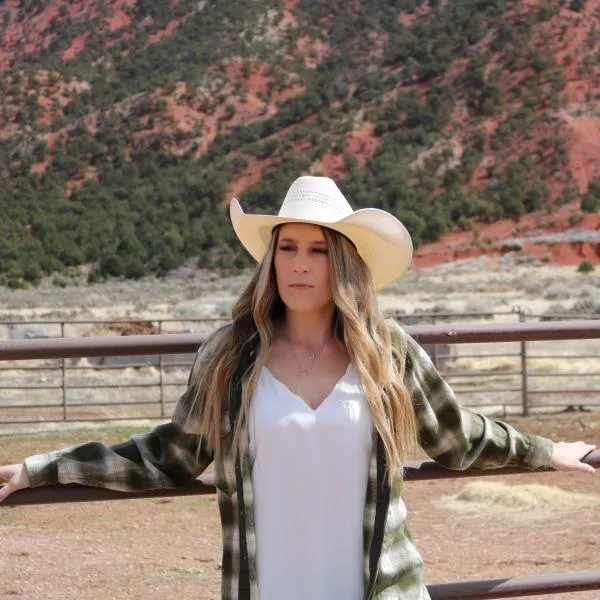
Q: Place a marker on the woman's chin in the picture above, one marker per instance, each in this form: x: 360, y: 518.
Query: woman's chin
x: 303, y: 306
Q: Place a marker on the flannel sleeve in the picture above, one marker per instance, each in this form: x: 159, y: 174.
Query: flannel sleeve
x: 165, y: 457
x: 459, y: 438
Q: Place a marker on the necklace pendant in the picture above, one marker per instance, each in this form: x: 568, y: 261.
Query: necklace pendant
x: 312, y: 355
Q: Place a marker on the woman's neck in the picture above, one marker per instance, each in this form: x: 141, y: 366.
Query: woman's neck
x: 309, y: 329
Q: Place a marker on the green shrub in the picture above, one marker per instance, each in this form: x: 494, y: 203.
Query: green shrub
x: 577, y: 5
x: 585, y: 266
x: 32, y: 273
x: 591, y: 201
x: 95, y: 276
x: 112, y: 266
x: 59, y: 281
x: 135, y: 269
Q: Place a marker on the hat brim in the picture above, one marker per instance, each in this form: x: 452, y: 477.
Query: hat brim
x: 380, y: 238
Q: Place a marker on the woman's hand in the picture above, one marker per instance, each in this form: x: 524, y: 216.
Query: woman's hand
x: 566, y: 456
x: 12, y: 478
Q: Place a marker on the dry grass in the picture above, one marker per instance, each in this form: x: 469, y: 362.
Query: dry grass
x: 531, y: 500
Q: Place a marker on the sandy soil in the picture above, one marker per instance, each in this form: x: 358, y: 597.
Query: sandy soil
x: 146, y: 549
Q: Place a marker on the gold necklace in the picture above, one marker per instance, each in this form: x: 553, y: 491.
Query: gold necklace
x: 311, y: 355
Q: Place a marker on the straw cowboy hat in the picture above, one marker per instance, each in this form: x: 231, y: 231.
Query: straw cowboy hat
x: 380, y: 238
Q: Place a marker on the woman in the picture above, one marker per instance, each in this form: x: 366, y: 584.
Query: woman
x: 308, y: 404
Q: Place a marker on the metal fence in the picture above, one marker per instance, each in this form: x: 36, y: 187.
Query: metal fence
x: 456, y: 334
x: 527, y: 376
x: 90, y: 388
x: 500, y: 377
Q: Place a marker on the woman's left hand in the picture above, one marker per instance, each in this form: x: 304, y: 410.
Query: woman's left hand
x: 566, y: 456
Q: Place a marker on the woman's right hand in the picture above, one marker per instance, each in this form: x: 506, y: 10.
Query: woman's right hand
x: 12, y: 478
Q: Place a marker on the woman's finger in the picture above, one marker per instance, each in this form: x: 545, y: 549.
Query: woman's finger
x: 577, y: 465
x: 587, y: 468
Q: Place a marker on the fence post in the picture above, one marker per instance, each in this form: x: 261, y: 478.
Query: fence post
x: 161, y: 377
x: 434, y: 349
x: 63, y: 377
x: 525, y: 396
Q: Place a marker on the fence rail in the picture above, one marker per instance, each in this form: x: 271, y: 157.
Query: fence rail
x: 516, y: 586
x: 185, y: 343
x: 424, y: 470
x: 473, y: 590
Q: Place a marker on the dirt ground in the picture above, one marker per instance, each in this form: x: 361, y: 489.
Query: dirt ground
x: 149, y: 549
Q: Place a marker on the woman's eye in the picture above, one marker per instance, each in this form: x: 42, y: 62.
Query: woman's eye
x: 292, y: 248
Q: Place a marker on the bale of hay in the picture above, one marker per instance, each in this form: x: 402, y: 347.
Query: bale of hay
x: 491, y: 495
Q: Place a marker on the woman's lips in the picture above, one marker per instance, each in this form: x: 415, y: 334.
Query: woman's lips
x: 301, y: 286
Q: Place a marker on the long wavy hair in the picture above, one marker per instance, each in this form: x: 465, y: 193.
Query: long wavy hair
x: 359, y: 324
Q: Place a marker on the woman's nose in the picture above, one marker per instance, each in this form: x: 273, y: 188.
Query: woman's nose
x: 301, y: 265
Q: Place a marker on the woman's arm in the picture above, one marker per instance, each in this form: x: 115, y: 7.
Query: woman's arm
x: 167, y: 456
x: 460, y: 438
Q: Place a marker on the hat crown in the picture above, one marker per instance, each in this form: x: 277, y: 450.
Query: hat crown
x: 315, y: 198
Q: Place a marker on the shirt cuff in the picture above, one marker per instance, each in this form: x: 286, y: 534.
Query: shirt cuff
x: 42, y: 469
x: 539, y: 453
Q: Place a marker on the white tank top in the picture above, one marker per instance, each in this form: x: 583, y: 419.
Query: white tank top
x: 309, y: 478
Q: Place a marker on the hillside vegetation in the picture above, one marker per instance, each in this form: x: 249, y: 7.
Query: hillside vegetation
x: 126, y: 126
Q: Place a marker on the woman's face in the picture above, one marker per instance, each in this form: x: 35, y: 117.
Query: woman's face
x: 302, y: 267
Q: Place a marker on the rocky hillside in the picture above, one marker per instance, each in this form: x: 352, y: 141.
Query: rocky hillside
x: 126, y: 126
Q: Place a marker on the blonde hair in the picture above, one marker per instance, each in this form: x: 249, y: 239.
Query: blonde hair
x: 360, y: 325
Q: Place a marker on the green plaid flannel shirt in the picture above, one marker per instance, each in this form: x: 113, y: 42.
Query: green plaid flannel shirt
x: 165, y: 457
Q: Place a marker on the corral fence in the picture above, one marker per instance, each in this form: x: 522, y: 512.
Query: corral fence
x: 441, y: 334
x: 500, y: 377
